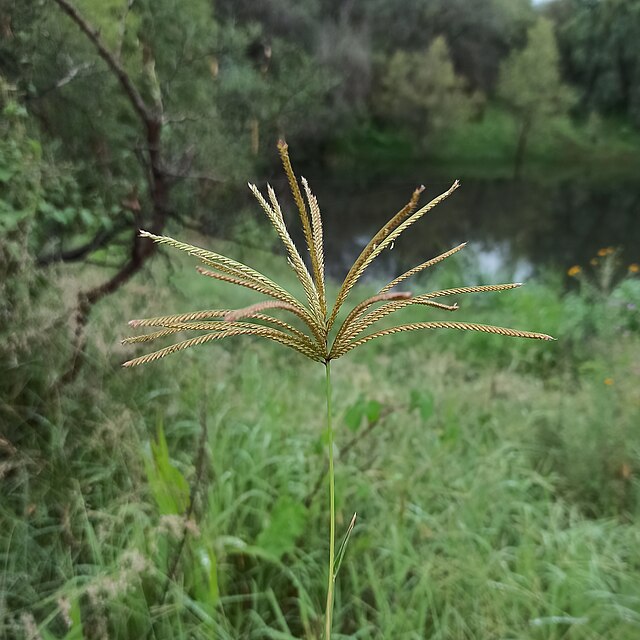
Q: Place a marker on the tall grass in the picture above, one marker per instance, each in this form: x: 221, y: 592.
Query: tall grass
x: 508, y: 511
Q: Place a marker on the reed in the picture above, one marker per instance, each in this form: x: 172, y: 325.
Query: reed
x: 312, y: 334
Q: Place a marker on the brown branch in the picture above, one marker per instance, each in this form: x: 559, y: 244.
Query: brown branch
x: 158, y: 182
x: 118, y: 70
x: 101, y: 239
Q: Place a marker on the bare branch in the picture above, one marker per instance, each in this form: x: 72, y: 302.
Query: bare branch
x: 118, y: 70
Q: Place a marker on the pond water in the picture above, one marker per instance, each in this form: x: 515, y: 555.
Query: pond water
x: 514, y: 228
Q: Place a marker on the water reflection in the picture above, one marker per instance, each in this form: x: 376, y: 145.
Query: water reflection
x: 514, y: 228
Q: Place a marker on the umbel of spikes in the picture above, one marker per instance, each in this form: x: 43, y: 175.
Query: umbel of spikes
x: 310, y: 322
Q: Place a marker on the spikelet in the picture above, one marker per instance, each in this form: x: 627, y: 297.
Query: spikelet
x: 362, y: 322
x: 462, y: 326
x: 408, y: 209
x: 422, y: 267
x: 251, y: 310
x: 374, y: 249
x: 160, y: 321
x: 365, y: 304
x: 318, y: 245
x: 295, y: 260
x: 215, y: 259
x: 148, y: 337
x: 264, y: 332
x: 291, y: 303
x: 283, y: 150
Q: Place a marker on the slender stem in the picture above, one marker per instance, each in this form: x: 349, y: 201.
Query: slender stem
x: 332, y: 498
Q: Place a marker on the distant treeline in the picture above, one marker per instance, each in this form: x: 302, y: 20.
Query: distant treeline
x: 131, y: 113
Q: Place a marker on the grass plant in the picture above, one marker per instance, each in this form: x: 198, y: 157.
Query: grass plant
x: 315, y: 338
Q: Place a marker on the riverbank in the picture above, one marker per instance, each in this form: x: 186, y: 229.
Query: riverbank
x: 557, y: 149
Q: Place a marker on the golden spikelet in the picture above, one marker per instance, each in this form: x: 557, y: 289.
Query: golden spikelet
x: 388, y: 234
x: 365, y: 304
x: 318, y: 270
x: 313, y: 340
x: 252, y: 310
x: 181, y: 317
x: 318, y: 245
x: 270, y: 334
x: 295, y: 260
x: 462, y: 326
x: 422, y: 267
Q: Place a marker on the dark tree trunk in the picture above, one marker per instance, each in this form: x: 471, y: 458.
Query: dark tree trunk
x: 521, y: 146
x: 158, y: 190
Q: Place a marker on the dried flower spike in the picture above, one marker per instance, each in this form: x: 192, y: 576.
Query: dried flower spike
x: 313, y: 338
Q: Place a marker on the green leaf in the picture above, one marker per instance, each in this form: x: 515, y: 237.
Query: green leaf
x: 423, y: 401
x: 288, y: 520
x: 355, y: 413
x: 373, y: 411
x: 362, y: 409
x: 86, y: 216
x: 206, y: 582
x: 169, y: 487
x: 342, y: 549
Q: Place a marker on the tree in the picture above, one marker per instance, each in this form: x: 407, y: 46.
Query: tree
x: 599, y: 45
x: 153, y: 106
x: 480, y: 33
x: 421, y: 89
x: 531, y: 86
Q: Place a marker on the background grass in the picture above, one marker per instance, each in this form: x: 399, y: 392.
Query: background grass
x: 496, y: 481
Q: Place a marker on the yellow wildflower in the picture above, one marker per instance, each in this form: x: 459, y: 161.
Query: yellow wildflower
x: 608, y: 381
x: 574, y: 271
x: 634, y: 267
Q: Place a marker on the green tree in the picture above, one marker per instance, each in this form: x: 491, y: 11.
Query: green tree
x: 480, y: 33
x: 154, y: 106
x: 599, y: 43
x: 531, y: 86
x: 422, y: 90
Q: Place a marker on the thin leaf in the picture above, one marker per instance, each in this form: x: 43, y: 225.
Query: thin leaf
x: 343, y: 547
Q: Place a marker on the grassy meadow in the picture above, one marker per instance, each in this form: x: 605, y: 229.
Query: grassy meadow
x: 495, y: 480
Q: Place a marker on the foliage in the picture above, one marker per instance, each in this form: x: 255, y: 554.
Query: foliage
x: 531, y: 85
x: 530, y: 81
x: 526, y: 487
x: 421, y: 91
x: 480, y: 33
x: 608, y: 296
x: 598, y: 41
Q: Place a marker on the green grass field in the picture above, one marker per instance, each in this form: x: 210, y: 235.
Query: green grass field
x: 495, y: 480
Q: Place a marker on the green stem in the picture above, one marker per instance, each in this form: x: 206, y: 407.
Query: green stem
x: 332, y: 498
